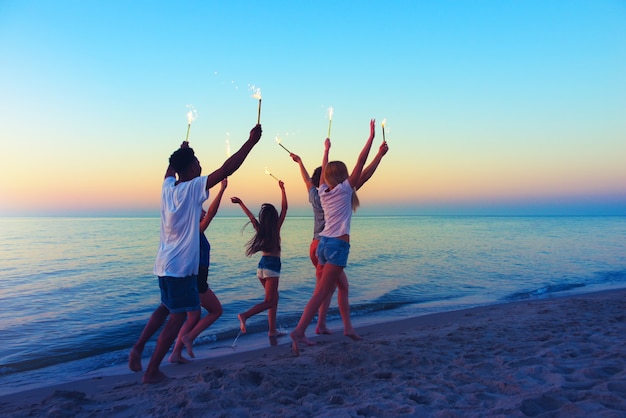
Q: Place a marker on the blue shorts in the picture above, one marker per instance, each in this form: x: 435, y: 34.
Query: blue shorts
x: 179, y: 294
x: 269, y: 266
x: 333, y: 251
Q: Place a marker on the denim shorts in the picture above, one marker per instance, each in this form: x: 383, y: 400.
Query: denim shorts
x: 179, y: 294
x: 269, y: 266
x: 333, y: 251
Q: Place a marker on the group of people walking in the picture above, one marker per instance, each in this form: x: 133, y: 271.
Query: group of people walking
x: 182, y: 260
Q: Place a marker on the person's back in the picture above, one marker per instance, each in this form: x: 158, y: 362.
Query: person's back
x: 178, y: 254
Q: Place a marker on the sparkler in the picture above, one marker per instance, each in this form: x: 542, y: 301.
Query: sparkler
x: 191, y: 116
x: 257, y: 95
x: 269, y: 173
x: 330, y: 119
x: 227, y: 145
x: 278, y: 141
x: 383, y: 125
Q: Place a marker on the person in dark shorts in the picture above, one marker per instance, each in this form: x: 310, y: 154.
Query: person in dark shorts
x: 209, y: 301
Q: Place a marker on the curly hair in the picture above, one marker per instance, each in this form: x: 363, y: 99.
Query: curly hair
x: 267, y: 237
x: 181, y: 158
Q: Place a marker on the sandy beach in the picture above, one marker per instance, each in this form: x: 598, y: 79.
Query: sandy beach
x: 552, y: 357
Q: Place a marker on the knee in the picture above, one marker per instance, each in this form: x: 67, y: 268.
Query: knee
x: 273, y: 300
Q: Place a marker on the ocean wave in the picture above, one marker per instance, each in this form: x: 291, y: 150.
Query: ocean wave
x: 544, y: 291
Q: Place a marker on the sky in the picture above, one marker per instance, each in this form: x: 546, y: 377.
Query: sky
x: 491, y: 107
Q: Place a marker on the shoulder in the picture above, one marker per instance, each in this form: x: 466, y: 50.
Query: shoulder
x: 345, y: 185
x: 169, y: 182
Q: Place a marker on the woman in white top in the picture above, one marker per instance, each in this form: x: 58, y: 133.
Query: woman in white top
x: 339, y: 200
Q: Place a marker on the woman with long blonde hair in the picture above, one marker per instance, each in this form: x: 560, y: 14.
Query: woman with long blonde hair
x: 339, y: 200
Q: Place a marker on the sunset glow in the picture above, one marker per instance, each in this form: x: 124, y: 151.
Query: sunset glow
x: 492, y: 108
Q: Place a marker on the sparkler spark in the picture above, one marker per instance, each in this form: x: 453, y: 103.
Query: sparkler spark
x: 227, y: 145
x: 191, y: 116
x: 256, y: 94
x: 270, y: 174
x: 278, y: 142
x: 383, y: 125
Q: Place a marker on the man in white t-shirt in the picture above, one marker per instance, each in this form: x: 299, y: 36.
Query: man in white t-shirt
x: 178, y: 255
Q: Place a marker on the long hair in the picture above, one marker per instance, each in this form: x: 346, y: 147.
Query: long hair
x: 267, y: 236
x: 335, y: 173
x: 315, y: 178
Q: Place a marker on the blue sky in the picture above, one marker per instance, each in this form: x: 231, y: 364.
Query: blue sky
x: 492, y: 107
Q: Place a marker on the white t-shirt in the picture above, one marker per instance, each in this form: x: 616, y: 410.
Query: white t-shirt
x: 181, y: 208
x: 337, y: 205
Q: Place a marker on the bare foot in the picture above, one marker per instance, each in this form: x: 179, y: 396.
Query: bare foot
x: 177, y: 358
x: 297, y: 340
x: 242, y: 323
x: 323, y: 330
x: 353, y: 335
x: 134, y: 360
x: 158, y: 377
x: 294, y: 344
x: 188, y: 343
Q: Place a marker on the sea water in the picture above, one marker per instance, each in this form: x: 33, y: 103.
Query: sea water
x: 75, y: 293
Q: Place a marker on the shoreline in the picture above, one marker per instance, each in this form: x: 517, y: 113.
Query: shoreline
x: 562, y: 355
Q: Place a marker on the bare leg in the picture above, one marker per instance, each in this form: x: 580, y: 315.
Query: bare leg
x: 270, y: 301
x: 211, y: 303
x: 271, y: 296
x: 177, y: 352
x: 157, y: 319
x: 323, y: 310
x: 344, y: 307
x: 166, y: 338
x: 323, y: 288
x: 321, y: 316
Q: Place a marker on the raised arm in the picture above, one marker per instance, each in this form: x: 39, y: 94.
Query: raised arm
x: 245, y: 209
x: 234, y: 162
x: 170, y: 172
x: 371, y: 168
x: 305, y: 174
x: 210, y: 214
x: 355, y: 176
x: 283, y: 207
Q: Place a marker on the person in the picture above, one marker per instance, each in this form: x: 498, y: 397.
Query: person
x: 339, y: 199
x: 188, y: 333
x: 178, y: 256
x: 312, y: 183
x: 266, y: 240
